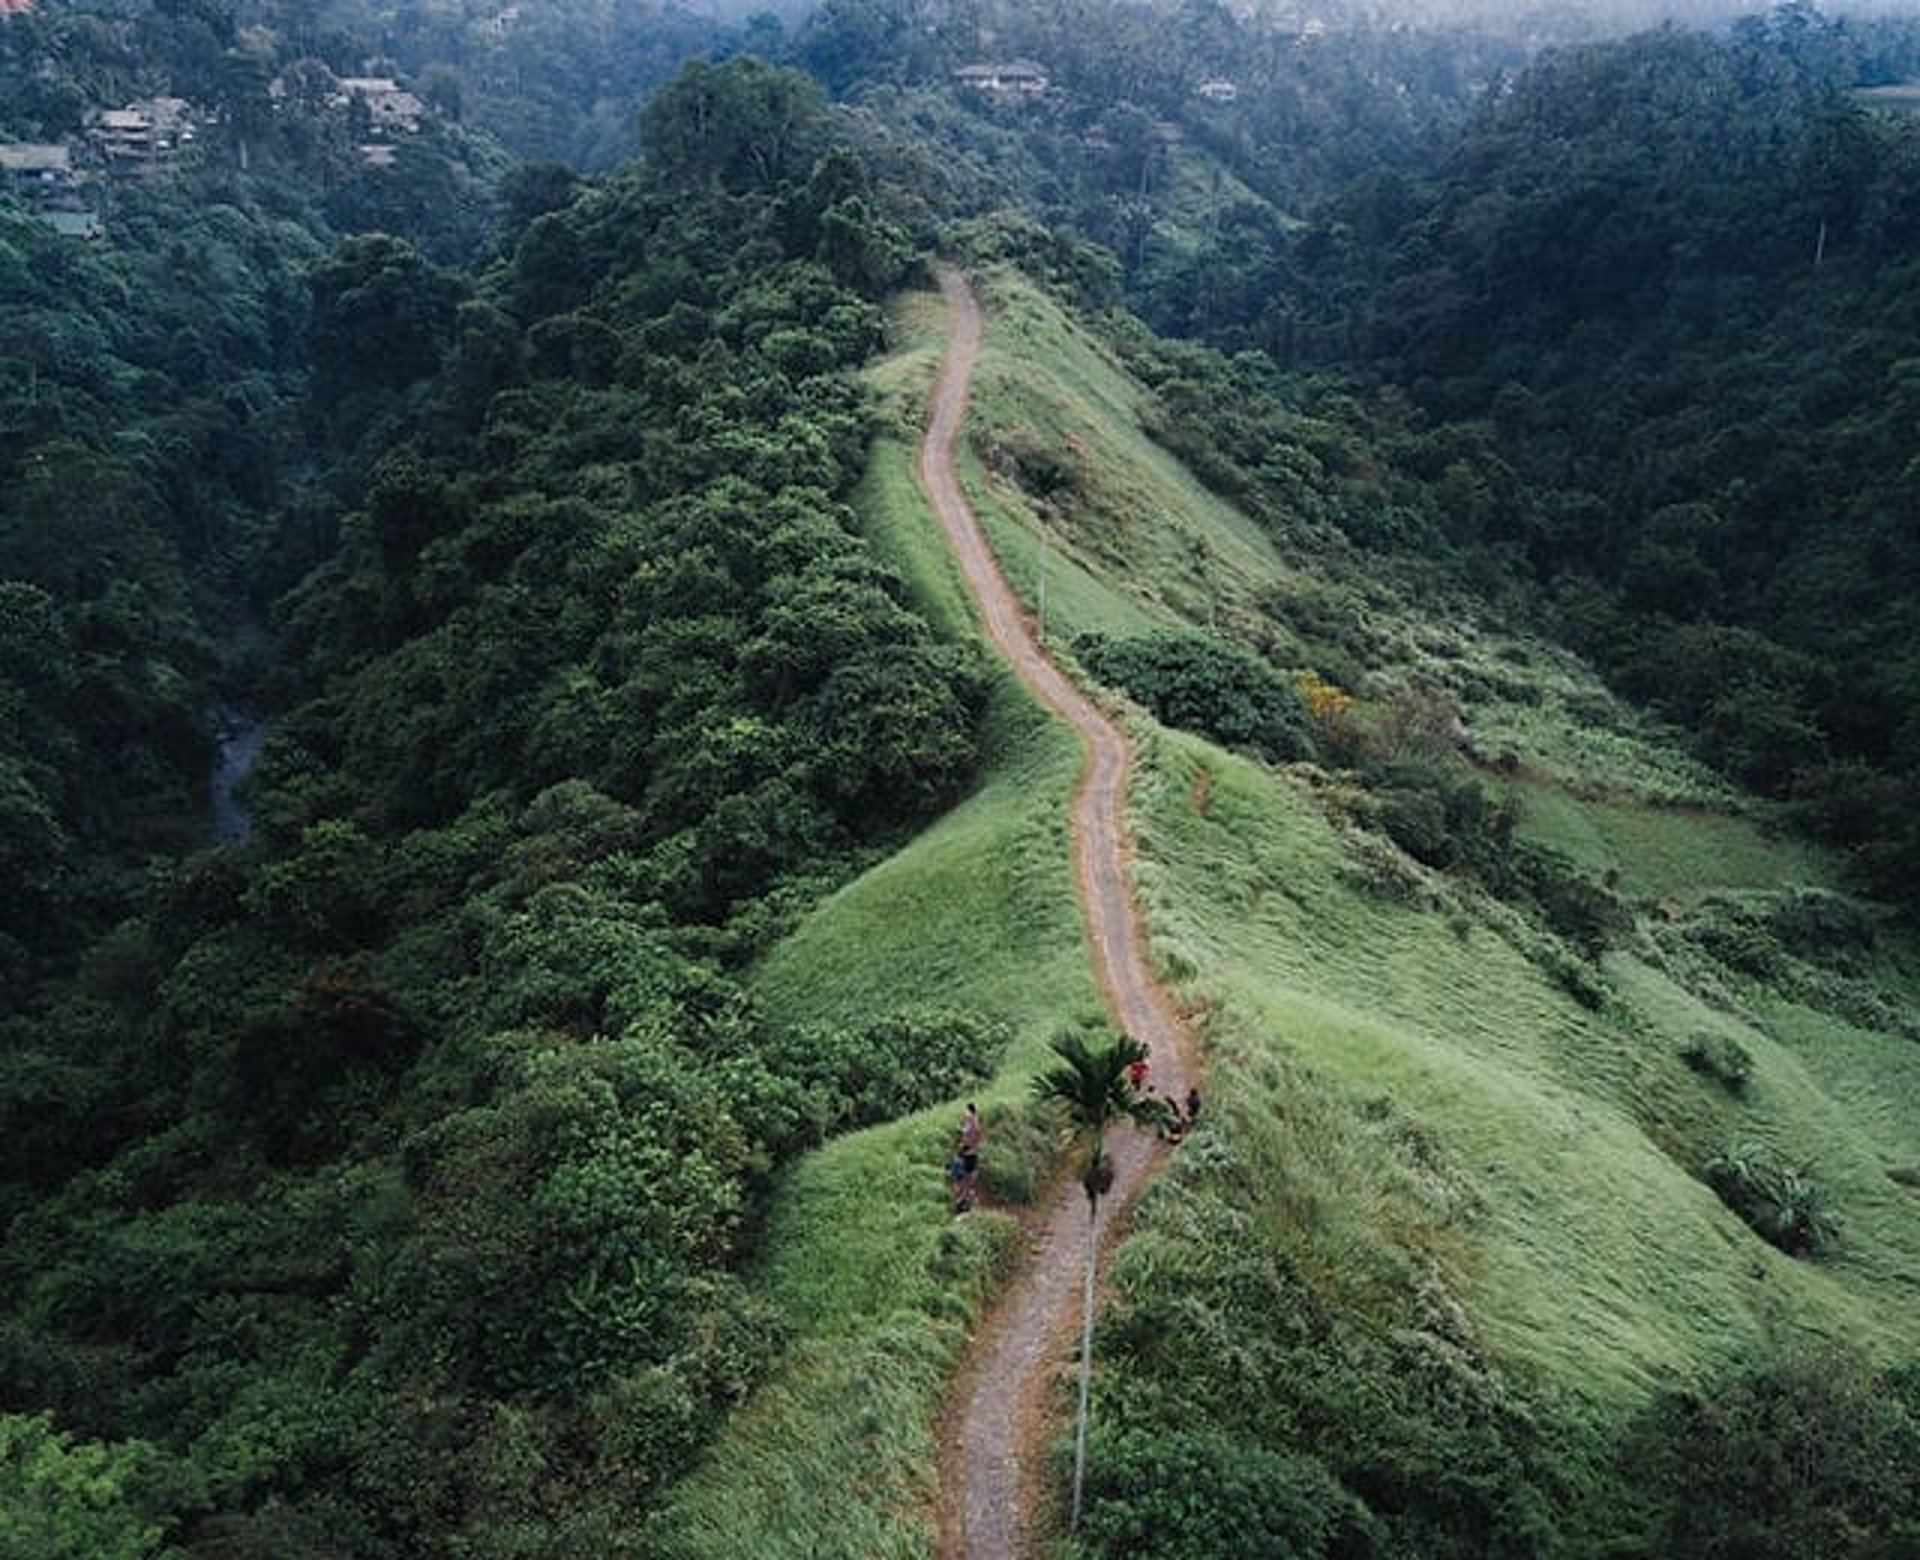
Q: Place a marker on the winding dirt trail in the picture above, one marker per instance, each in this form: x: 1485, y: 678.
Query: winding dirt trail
x: 991, y: 1443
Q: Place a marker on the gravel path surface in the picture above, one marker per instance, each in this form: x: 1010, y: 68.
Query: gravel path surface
x: 992, y: 1443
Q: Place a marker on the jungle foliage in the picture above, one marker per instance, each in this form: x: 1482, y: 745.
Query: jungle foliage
x: 1627, y: 326
x: 383, y: 1184
x: 1655, y: 310
x: 1203, y: 684
x: 161, y: 471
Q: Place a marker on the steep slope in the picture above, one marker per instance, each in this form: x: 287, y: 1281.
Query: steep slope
x: 1506, y: 1146
x: 1445, y: 1240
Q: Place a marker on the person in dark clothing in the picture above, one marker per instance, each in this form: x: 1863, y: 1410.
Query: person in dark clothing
x: 966, y: 1159
x: 959, y: 1184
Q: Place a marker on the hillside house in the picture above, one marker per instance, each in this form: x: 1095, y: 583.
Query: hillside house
x: 15, y: 7
x: 391, y: 108
x: 1217, y: 89
x: 40, y: 176
x: 1016, y: 78
x: 32, y: 170
x: 144, y: 136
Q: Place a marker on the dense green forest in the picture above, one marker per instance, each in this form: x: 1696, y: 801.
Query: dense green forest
x: 557, y: 82
x: 416, y: 1139
x: 1657, y: 308
x: 162, y: 477
x: 385, y: 1184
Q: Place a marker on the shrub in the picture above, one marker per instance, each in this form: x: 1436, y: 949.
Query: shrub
x: 1042, y: 466
x: 1444, y: 818
x: 1721, y: 1058
x: 1192, y: 1495
x: 1778, y: 1201
x: 1584, y: 912
x: 895, y: 1064
x: 1200, y: 683
x: 1447, y: 820
x: 1735, y: 935
x: 68, y: 1500
x: 1415, y: 818
x: 1823, y: 927
x: 1818, y: 1456
x: 1576, y: 979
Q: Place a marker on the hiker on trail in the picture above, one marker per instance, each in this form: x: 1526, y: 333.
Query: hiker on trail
x: 1137, y: 1073
x: 959, y: 1193
x: 1173, y: 1125
x: 968, y: 1151
x: 1193, y: 1106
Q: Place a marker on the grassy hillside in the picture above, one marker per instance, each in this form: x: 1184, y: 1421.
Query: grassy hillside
x: 1463, y: 1132
x: 862, y: 1260
x: 1263, y: 900
x: 1066, y: 481
x: 1468, y: 1149
x: 1595, y: 1261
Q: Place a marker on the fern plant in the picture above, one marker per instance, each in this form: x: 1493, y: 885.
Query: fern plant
x: 1779, y: 1201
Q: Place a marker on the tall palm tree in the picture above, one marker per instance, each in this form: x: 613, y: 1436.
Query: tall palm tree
x: 1092, y: 1090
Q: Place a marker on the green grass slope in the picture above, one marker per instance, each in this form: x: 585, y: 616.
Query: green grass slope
x: 1596, y: 1264
x: 1073, y: 492
x: 863, y: 1263
x: 1434, y: 1125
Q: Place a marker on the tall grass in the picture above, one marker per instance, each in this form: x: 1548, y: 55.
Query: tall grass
x: 1422, y: 1147
x: 1601, y: 1265
x: 874, y: 1280
x: 1444, y: 1237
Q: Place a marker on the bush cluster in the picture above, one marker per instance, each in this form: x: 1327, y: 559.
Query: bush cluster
x: 1721, y: 1058
x: 891, y: 1066
x: 424, y: 1137
x: 1777, y: 1199
x: 1816, y: 1455
x: 1200, y: 683
x: 1173, y: 1493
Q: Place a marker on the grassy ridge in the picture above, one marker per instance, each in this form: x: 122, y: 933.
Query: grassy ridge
x: 1133, y: 541
x: 1418, y: 1119
x: 862, y: 1262
x: 1552, y: 1198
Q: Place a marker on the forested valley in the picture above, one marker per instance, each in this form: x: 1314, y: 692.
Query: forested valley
x: 477, y: 406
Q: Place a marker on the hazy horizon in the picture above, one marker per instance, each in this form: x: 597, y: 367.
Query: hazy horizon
x: 1561, y: 16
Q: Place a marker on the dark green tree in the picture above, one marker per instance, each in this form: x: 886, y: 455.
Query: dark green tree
x: 739, y: 125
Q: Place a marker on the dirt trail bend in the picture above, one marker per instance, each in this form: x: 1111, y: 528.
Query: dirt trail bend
x: 991, y: 1444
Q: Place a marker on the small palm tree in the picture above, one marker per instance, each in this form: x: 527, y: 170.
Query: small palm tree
x: 1091, y: 1087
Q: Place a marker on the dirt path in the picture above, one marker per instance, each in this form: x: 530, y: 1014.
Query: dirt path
x: 990, y: 1447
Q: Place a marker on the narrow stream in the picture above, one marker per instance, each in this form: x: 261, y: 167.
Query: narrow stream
x: 239, y: 736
